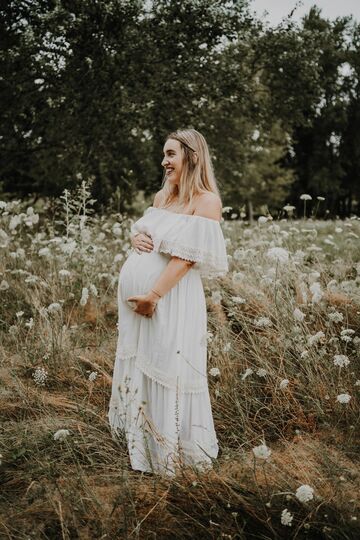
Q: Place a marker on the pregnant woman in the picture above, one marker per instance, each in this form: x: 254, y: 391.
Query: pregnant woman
x: 160, y: 398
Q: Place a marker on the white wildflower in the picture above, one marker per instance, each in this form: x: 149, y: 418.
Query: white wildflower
x: 40, y: 375
x: 4, y: 285
x: 305, y: 197
x: 262, y: 322
x: 14, y: 222
x: 68, y: 247
x: 52, y: 308
x: 331, y: 286
x: 61, y: 434
x: 93, y: 290
x: 118, y: 257
x: 93, y: 376
x: 347, y: 331
x: 216, y: 297
x: 304, y: 493
x: 278, y: 254
x: 317, y: 294
x: 343, y: 398
x: 261, y: 451
x: 237, y: 277
x: 239, y: 254
x: 298, y: 314
x: 64, y: 273
x: 316, y: 338
x: 30, y: 323
x: 283, y: 384
x: 238, y: 300
x: 214, y: 372
x: 286, y: 518
x: 304, y: 354
x: 84, y: 296
x: 44, y: 252
x: 227, y: 347
x: 261, y: 372
x: 31, y: 218
x: 341, y: 360
x: 336, y: 317
x: 262, y: 220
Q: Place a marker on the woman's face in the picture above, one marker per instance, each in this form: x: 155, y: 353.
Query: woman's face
x: 172, y: 161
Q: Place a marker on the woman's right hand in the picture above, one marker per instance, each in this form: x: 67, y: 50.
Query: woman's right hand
x: 142, y: 242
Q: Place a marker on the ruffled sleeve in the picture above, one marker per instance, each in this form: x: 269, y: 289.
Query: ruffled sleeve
x: 194, y: 238
x: 200, y: 240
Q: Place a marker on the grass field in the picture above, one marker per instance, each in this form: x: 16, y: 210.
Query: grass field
x: 284, y: 377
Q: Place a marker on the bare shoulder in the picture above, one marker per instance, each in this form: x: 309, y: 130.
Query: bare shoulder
x: 209, y: 205
x: 158, y: 198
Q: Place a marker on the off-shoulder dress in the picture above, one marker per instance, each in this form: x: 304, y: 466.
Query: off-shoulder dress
x: 160, y: 397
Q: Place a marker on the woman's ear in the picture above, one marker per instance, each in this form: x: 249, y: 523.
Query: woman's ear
x: 195, y: 158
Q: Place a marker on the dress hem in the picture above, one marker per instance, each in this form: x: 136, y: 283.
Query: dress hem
x: 142, y: 365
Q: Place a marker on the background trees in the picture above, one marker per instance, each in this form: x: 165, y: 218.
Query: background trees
x: 91, y: 88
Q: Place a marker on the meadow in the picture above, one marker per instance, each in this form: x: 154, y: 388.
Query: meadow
x: 283, y: 371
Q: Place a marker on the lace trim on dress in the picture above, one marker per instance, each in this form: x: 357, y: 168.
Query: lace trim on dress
x: 211, y: 265
x: 158, y: 376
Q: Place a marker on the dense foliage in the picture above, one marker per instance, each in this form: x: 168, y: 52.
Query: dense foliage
x: 90, y: 88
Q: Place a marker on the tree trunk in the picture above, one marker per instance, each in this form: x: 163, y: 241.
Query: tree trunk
x: 250, y: 212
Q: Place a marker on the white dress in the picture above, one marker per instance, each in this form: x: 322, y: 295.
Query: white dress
x: 160, y: 398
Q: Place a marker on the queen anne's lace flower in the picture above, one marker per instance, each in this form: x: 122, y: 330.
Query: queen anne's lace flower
x: 262, y: 322
x: 61, y: 434
x: 214, y: 372
x: 92, y: 376
x: 261, y: 452
x: 341, y: 360
x: 298, y: 314
x: 52, y: 308
x: 343, y: 398
x: 286, y: 517
x: 336, y: 317
x: 316, y: 338
x: 304, y: 493
x: 278, y: 254
x: 84, y: 296
x: 4, y: 285
x: 40, y: 375
x: 283, y: 384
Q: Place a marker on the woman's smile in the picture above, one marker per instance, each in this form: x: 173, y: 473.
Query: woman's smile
x: 172, y: 161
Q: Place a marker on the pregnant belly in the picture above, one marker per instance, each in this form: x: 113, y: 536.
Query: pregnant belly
x: 140, y: 272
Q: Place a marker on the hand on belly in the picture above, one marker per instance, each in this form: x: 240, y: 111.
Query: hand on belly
x: 144, y: 305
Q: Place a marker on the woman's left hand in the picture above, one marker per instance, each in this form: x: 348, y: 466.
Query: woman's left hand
x: 145, y: 304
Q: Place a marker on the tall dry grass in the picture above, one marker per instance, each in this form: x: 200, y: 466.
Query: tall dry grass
x: 276, y: 325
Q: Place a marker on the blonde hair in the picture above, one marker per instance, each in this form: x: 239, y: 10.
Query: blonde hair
x: 197, y: 174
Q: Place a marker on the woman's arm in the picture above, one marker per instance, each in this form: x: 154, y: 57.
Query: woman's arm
x: 170, y: 276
